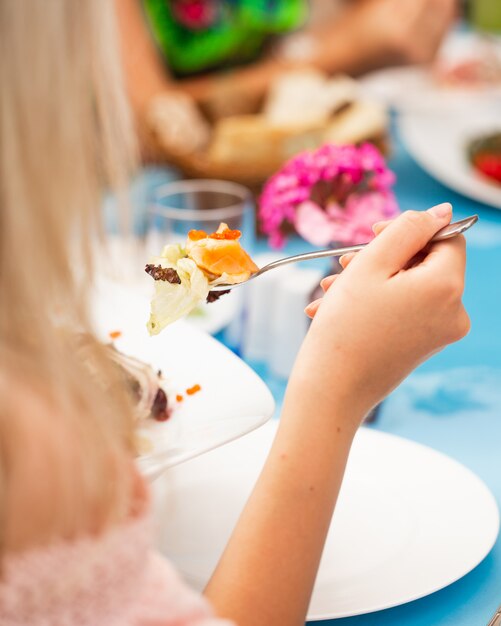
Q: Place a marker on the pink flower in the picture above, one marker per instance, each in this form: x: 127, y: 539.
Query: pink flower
x: 314, y: 224
x: 333, y: 194
x: 353, y: 222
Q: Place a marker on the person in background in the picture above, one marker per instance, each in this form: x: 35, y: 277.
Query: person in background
x: 221, y: 55
x: 75, y: 543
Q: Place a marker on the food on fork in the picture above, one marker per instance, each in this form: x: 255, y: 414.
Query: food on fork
x: 184, y: 275
x: 220, y: 255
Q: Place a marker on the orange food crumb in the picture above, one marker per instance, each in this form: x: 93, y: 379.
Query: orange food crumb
x: 193, y: 390
x: 196, y: 235
x: 226, y: 234
x: 115, y: 334
x: 179, y: 398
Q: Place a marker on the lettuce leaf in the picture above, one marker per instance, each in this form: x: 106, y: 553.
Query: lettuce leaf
x: 173, y: 301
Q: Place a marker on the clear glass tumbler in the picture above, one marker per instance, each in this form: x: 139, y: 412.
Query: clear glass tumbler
x: 181, y: 206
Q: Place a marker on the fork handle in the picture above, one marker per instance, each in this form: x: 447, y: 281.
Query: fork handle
x: 309, y: 256
x: 451, y: 230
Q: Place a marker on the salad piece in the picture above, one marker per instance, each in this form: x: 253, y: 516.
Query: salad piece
x: 184, y: 275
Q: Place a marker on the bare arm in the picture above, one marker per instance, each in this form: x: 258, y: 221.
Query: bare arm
x: 366, y: 336
x: 145, y: 73
x: 268, y: 570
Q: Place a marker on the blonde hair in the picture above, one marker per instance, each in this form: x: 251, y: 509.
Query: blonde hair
x: 65, y: 134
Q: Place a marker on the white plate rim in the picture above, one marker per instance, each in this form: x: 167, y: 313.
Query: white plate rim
x: 453, y: 579
x: 480, y: 486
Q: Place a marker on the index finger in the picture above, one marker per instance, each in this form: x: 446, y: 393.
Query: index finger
x: 401, y: 240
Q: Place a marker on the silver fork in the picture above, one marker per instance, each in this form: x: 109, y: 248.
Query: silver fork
x: 456, y: 228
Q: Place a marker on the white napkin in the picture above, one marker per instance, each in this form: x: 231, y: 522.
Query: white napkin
x: 289, y: 323
x: 274, y: 323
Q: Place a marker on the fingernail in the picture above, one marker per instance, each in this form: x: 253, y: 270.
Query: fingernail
x: 323, y: 283
x: 374, y: 226
x: 441, y: 210
x: 312, y: 307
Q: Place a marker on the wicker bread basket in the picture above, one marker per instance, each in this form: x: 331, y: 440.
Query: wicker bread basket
x: 248, y: 149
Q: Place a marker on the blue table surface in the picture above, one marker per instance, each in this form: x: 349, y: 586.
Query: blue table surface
x: 452, y: 402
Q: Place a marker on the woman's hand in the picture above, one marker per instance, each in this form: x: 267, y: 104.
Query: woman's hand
x: 393, y: 307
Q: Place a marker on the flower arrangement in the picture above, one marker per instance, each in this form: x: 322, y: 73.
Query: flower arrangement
x: 334, y: 194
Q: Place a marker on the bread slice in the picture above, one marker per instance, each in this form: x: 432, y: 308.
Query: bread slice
x: 358, y: 122
x: 307, y: 97
x: 250, y: 139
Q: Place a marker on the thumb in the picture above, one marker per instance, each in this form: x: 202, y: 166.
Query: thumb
x: 401, y: 240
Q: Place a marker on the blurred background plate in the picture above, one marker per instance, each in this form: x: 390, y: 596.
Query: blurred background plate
x: 409, y: 520
x: 439, y: 143
x: 233, y: 400
x: 427, y: 89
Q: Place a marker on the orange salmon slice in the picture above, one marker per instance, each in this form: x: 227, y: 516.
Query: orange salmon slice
x: 226, y: 256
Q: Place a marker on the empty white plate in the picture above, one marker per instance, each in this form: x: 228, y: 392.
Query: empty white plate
x: 409, y: 520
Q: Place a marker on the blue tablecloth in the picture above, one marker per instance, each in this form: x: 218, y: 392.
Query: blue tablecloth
x: 452, y: 402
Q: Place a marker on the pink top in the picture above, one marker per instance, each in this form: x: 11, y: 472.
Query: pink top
x: 112, y: 580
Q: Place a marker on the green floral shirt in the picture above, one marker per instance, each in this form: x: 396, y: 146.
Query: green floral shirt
x: 198, y: 35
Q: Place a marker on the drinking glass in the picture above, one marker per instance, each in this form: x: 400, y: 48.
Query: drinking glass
x: 181, y: 206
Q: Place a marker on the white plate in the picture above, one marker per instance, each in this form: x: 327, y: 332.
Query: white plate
x: 414, y: 88
x: 409, y: 520
x: 439, y: 144
x: 233, y: 400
